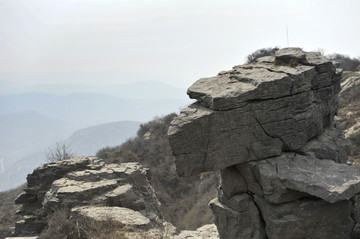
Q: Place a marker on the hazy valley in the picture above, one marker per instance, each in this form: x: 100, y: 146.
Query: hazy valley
x: 30, y: 122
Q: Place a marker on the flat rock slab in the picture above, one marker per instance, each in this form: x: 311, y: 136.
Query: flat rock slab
x: 241, y: 221
x: 256, y: 111
x: 208, y: 231
x: 120, y: 214
x: 232, y: 89
x: 324, y: 179
x: 208, y: 140
x: 330, y: 145
x: 310, y: 219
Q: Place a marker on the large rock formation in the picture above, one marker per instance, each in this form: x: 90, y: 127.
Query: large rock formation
x: 269, y: 128
x: 90, y: 188
x: 95, y: 192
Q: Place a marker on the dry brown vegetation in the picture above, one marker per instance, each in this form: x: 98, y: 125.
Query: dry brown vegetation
x: 291, y: 63
x: 345, y: 62
x: 63, y: 225
x: 183, y: 200
x: 8, y: 209
x: 348, y: 116
x: 251, y: 58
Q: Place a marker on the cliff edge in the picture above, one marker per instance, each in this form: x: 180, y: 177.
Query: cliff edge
x: 269, y: 128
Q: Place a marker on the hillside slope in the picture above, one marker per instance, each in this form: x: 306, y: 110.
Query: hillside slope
x: 89, y: 140
x: 184, y: 200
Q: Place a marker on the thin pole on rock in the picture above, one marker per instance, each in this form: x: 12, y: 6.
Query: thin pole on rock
x: 287, y: 36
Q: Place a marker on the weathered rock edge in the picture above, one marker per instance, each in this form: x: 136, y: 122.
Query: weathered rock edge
x: 269, y: 128
x: 254, y: 112
x: 96, y: 191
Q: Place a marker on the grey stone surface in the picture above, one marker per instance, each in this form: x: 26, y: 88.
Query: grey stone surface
x: 253, y: 112
x: 231, y: 183
x: 269, y: 128
x: 267, y: 183
x: 86, y: 182
x: 125, y: 216
x: 287, y: 54
x: 330, y: 145
x: 234, y: 88
x: 243, y: 223
x: 306, y: 218
x: 208, y: 231
x: 323, y: 179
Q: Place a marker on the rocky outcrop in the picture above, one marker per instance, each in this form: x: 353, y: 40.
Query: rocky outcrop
x: 348, y: 119
x: 89, y: 188
x: 269, y: 128
x: 95, y: 192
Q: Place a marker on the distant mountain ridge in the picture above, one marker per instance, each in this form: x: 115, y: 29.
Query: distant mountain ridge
x: 31, y: 122
x: 86, y: 141
x: 136, y: 90
x: 88, y: 109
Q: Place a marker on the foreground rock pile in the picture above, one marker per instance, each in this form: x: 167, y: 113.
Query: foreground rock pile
x: 97, y: 192
x: 269, y: 128
x: 90, y: 188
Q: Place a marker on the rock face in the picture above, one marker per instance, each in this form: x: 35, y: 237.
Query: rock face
x: 90, y: 188
x: 269, y: 128
x: 95, y: 191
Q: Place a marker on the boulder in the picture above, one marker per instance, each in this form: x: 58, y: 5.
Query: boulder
x: 323, y: 179
x: 127, y: 217
x: 331, y: 145
x: 269, y: 128
x: 253, y: 112
x: 306, y: 218
x: 241, y: 221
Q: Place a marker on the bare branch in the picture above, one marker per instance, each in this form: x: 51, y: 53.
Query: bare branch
x: 59, y: 151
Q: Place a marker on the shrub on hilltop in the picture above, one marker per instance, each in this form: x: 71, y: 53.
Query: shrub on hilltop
x: 345, y: 62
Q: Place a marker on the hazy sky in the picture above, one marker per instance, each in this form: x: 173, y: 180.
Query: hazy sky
x: 174, y: 41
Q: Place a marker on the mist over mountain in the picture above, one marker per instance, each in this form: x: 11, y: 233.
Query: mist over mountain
x: 18, y: 158
x: 136, y: 90
x: 88, y: 141
x: 30, y: 122
x: 26, y: 131
x: 86, y: 109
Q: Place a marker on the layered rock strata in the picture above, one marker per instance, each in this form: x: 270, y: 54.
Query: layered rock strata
x: 91, y: 189
x: 269, y: 129
x: 96, y: 192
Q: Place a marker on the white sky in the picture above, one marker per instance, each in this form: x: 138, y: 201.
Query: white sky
x: 174, y: 41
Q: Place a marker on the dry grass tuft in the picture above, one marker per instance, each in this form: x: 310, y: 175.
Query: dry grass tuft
x: 62, y: 225
x: 292, y: 63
